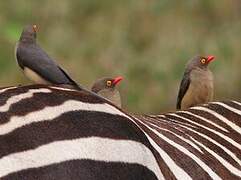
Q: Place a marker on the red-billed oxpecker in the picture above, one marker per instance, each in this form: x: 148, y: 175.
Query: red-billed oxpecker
x: 197, y: 83
x: 106, y: 87
x: 36, y: 64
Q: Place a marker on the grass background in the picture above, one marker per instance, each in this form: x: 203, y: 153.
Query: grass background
x: 148, y: 42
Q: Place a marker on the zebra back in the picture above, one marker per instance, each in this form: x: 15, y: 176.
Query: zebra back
x: 56, y: 133
x: 203, y: 142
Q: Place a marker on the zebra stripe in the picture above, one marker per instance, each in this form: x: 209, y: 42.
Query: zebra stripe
x: 208, y: 135
x: 235, y: 170
x: 225, y: 120
x: 92, y: 148
x: 183, y: 150
x: 55, y: 111
x: 178, y: 172
x: 222, y: 135
x: 73, y: 126
x: 215, y: 142
x: 6, y: 89
x: 238, y: 103
x: 57, y: 133
x: 205, y: 119
x: 17, y: 98
x: 182, y: 138
x: 228, y: 107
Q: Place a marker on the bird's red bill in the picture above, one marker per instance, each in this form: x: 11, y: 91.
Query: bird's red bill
x: 210, y: 58
x: 117, y: 80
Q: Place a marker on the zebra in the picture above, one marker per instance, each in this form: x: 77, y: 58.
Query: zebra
x: 203, y: 142
x: 50, y: 132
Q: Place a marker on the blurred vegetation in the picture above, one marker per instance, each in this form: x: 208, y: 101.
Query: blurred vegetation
x: 146, y: 41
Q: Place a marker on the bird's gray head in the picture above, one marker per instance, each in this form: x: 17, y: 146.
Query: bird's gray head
x: 200, y: 62
x: 105, y: 87
x: 29, y: 34
x: 105, y: 83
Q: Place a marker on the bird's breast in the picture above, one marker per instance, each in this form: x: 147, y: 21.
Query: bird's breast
x: 202, y: 79
x: 200, y: 89
x: 111, y: 95
x: 202, y: 84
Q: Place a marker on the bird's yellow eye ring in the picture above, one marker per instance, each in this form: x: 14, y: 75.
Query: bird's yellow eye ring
x: 108, y: 83
x: 203, y: 61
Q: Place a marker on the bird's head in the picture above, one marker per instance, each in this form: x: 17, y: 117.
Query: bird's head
x: 200, y: 62
x: 106, y: 83
x: 29, y: 33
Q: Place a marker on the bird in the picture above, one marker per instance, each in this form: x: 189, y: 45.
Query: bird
x: 106, y: 87
x: 36, y: 63
x: 197, y: 83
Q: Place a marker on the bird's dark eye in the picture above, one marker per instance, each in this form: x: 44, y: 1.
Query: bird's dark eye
x: 108, y: 83
x: 203, y: 61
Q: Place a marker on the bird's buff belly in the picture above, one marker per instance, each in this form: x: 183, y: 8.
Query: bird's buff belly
x: 197, y: 94
x: 33, y: 76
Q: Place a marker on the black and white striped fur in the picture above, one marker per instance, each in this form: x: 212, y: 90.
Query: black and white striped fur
x: 203, y: 142
x: 56, y: 133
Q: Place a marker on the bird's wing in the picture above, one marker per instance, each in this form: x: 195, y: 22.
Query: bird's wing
x: 69, y: 78
x: 183, y: 89
x: 37, y: 60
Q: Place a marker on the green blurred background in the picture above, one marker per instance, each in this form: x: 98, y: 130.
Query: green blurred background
x: 148, y: 42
